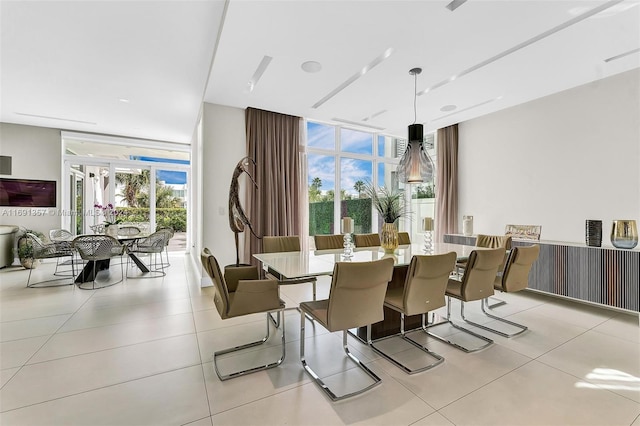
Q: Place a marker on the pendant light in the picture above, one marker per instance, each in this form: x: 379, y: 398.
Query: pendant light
x: 415, y: 165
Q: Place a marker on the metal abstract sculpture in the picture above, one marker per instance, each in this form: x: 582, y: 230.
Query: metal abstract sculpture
x: 237, y: 218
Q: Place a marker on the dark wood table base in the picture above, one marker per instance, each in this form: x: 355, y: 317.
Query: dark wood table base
x: 391, y: 323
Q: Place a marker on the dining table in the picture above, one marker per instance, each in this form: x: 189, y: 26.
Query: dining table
x: 321, y: 262
x: 91, y: 269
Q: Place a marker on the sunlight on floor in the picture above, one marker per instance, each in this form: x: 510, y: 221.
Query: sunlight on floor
x: 606, y: 378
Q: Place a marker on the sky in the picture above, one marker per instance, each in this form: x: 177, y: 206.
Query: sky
x: 167, y: 176
x: 352, y: 170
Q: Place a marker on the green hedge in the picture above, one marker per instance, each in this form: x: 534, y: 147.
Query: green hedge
x: 176, y: 218
x: 321, y: 216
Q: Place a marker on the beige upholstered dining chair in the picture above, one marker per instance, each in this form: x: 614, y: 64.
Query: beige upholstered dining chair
x: 475, y: 284
x: 423, y: 291
x: 366, y: 240
x: 515, y: 277
x: 326, y: 242
x: 403, y: 238
x: 241, y: 294
x: 491, y: 241
x: 279, y: 244
x: 355, y: 300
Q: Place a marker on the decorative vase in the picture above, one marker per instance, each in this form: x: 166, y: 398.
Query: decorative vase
x: 467, y: 225
x: 593, y: 233
x: 624, y: 234
x: 389, y: 237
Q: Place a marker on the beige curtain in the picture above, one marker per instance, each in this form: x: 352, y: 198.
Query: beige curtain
x: 274, y: 207
x: 446, y: 221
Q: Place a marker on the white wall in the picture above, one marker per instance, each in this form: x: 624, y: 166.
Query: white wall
x: 36, y: 154
x: 555, y: 161
x: 224, y: 144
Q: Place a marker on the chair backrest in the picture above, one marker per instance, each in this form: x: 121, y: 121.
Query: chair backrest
x: 154, y: 243
x: 403, y: 238
x: 325, y: 242
x: 97, y: 247
x: 97, y: 229
x: 221, y: 294
x: 494, y: 241
x: 170, y: 232
x: 128, y: 230
x: 516, y: 271
x: 356, y: 297
x: 60, y: 235
x: 280, y: 244
x: 480, y: 274
x: 426, y: 282
x: 366, y: 240
x: 38, y: 247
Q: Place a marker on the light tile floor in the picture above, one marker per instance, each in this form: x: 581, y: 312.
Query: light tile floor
x: 140, y: 352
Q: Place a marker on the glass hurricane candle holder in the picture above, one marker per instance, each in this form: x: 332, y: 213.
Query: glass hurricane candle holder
x: 346, y: 226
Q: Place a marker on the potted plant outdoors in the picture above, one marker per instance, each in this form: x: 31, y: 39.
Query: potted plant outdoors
x: 25, y: 249
x: 391, y: 207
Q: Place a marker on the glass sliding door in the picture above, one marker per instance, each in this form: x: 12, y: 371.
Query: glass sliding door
x: 171, y: 205
x: 132, y: 195
x: 145, y: 181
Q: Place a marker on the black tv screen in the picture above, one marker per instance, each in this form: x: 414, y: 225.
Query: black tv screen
x: 27, y: 193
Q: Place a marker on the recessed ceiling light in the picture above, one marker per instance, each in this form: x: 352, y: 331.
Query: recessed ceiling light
x: 448, y: 108
x: 124, y: 100
x: 311, y: 66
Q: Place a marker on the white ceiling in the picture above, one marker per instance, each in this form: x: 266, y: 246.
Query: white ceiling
x: 72, y: 61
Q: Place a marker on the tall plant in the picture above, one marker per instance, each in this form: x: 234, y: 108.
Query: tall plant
x: 389, y: 202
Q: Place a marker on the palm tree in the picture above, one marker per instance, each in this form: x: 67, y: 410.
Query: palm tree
x: 314, y: 190
x: 359, y: 186
x: 133, y: 185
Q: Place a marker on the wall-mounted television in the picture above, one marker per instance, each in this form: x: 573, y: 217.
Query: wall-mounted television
x: 27, y: 193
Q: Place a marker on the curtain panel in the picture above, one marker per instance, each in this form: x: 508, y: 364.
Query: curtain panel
x: 274, y: 207
x: 446, y: 221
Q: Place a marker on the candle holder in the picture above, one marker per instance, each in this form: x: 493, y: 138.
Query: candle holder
x: 347, y: 254
x: 428, y: 241
x: 346, y: 226
x: 427, y: 228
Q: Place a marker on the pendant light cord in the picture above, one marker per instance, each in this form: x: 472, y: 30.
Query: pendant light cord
x: 415, y: 89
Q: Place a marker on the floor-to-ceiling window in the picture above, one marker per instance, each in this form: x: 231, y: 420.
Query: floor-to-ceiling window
x: 343, y: 160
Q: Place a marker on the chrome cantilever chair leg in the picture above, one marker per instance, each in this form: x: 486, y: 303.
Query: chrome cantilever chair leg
x: 439, y: 359
x: 376, y: 380
x: 426, y: 328
x: 484, y: 304
x: 276, y: 323
x: 250, y: 345
x: 499, y: 302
